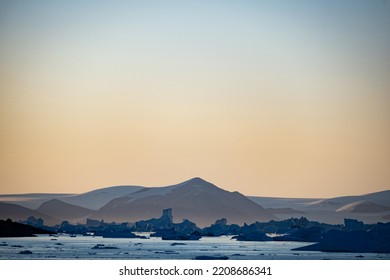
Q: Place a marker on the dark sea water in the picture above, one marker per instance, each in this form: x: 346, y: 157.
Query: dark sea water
x: 89, y: 247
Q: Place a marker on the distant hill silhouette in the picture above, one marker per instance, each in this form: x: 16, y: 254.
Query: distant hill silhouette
x: 64, y: 211
x: 92, y: 200
x: 195, y: 199
x: 370, y: 208
x: 16, y: 213
x: 98, y: 198
x: 364, y: 207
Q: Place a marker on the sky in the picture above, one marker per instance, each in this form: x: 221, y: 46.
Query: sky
x: 268, y: 98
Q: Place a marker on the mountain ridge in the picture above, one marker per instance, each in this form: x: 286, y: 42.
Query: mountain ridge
x: 17, y: 212
x: 369, y: 208
x: 196, y: 199
x: 63, y: 211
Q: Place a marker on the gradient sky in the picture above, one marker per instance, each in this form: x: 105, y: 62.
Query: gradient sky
x: 270, y: 98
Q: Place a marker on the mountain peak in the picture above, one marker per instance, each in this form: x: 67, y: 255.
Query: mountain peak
x: 56, y: 203
x: 198, y: 183
x: 196, y: 180
x: 195, y: 199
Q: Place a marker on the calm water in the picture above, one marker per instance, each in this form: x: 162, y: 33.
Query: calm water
x: 80, y: 247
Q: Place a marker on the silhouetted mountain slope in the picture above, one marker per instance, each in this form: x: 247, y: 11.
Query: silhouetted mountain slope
x: 363, y: 207
x: 370, y: 208
x: 20, y: 213
x: 381, y: 198
x: 98, y: 198
x: 64, y: 211
x: 286, y: 211
x: 196, y: 200
x: 30, y: 200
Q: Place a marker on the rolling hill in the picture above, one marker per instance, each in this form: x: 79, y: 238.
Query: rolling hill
x: 62, y: 211
x: 19, y: 213
x: 195, y: 199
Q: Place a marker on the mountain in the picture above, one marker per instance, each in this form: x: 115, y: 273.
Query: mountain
x: 195, y: 199
x: 98, y: 198
x: 284, y: 211
x: 64, y: 211
x: 298, y: 204
x: 369, y: 208
x: 363, y: 207
x: 20, y: 213
x: 30, y: 200
x: 381, y: 198
x: 92, y: 200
